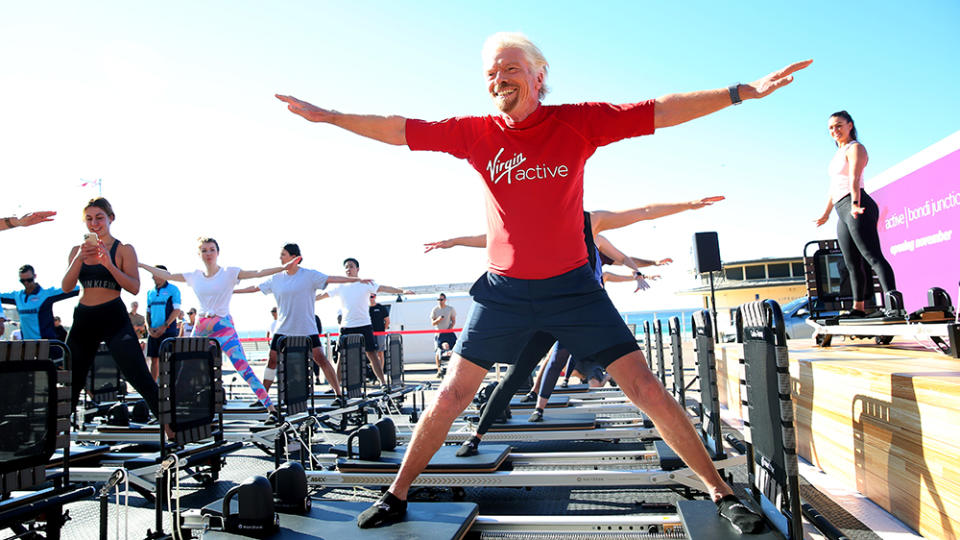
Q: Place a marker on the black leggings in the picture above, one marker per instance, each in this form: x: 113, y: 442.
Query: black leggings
x: 108, y: 322
x: 859, y: 243
x: 535, y: 349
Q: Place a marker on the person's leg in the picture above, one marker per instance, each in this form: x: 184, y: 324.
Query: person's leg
x: 863, y: 231
x: 83, y: 342
x: 456, y: 392
x: 128, y: 355
x: 377, y: 366
x: 852, y: 258
x: 222, y: 329
x: 643, y: 389
x: 328, y: 370
x: 270, y: 370
x: 558, y: 358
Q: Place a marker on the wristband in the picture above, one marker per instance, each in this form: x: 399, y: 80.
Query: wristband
x: 734, y: 91
x: 9, y: 223
x: 638, y: 274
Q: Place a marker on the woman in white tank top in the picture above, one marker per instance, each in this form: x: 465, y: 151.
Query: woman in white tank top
x: 858, y: 214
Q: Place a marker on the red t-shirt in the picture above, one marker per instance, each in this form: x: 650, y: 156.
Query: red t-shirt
x: 533, y: 175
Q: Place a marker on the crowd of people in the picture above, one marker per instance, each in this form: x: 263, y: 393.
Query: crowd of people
x: 543, y: 289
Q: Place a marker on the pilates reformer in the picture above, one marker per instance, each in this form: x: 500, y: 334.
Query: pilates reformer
x: 769, y: 432
x: 34, y: 422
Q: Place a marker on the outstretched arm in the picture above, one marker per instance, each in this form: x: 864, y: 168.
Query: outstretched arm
x: 247, y: 274
x: 388, y: 129
x: 393, y: 290
x: 604, y: 220
x: 26, y: 220
x: 478, y: 241
x: 647, y: 262
x: 618, y: 257
x: 251, y: 289
x: 673, y: 109
x: 344, y: 279
x: 163, y: 274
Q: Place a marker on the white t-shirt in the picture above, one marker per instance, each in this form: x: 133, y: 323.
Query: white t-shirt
x: 295, y: 301
x: 214, y: 292
x: 355, y: 299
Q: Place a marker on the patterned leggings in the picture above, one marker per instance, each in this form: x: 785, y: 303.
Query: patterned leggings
x: 223, y: 330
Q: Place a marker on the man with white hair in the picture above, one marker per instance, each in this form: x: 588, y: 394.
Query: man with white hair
x: 539, y: 286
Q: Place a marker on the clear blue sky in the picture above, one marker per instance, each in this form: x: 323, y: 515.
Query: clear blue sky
x: 171, y: 104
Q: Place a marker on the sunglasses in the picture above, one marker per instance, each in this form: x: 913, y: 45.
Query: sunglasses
x: 27, y: 280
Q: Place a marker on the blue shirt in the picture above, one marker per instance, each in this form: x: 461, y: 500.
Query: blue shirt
x: 36, y: 310
x: 161, y: 303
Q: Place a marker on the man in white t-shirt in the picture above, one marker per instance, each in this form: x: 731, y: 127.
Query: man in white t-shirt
x: 294, y: 291
x: 355, y: 304
x: 443, y: 318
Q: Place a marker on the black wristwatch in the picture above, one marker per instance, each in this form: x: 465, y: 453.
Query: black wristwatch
x: 639, y: 274
x: 734, y: 91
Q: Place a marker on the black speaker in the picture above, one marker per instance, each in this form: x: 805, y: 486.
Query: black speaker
x: 706, y: 252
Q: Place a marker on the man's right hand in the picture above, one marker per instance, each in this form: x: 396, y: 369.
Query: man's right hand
x: 306, y: 110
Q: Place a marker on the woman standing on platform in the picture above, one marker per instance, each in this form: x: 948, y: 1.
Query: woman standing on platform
x: 104, y: 266
x: 294, y: 291
x: 214, y: 286
x: 857, y: 212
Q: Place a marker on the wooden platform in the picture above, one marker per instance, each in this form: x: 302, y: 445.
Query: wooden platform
x: 883, y: 420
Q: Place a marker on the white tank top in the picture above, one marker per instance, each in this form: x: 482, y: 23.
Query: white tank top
x: 839, y: 171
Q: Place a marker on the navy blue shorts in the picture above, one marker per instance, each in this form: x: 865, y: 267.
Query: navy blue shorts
x: 153, y: 344
x: 572, y: 307
x: 275, y: 342
x: 369, y: 340
x: 450, y: 338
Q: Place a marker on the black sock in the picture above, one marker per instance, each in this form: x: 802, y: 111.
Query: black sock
x: 469, y: 447
x: 743, y: 518
x: 389, y: 509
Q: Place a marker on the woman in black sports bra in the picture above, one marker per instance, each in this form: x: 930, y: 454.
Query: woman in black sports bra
x: 103, y: 265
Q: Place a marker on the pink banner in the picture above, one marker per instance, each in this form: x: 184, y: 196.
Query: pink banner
x: 919, y: 213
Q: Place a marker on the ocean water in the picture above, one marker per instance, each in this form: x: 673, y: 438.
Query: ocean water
x: 664, y: 315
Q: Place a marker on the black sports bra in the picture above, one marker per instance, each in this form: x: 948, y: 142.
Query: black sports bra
x: 96, y: 276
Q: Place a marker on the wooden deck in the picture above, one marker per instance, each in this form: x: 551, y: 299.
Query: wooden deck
x: 885, y: 421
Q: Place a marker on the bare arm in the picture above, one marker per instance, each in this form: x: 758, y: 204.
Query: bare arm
x: 857, y: 157
x: 163, y: 274
x: 247, y: 274
x: 344, y: 279
x: 387, y: 129
x: 26, y: 220
x: 647, y: 262
x: 321, y: 297
x: 386, y: 323
x: 603, y: 220
x: 826, y: 213
x: 245, y: 290
x: 74, y: 263
x: 673, y: 109
x: 611, y: 251
x: 393, y: 290
x: 126, y: 274
x: 478, y: 241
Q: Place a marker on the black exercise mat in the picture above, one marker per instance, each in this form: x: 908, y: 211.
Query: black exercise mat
x: 489, y: 459
x: 701, y: 522
x: 77, y: 454
x: 571, y: 389
x: 552, y: 403
x: 338, y: 520
x: 556, y: 422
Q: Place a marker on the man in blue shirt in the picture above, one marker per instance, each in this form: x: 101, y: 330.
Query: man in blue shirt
x: 163, y: 310
x: 35, y: 305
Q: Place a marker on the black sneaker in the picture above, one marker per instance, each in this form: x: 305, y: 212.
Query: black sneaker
x: 565, y: 383
x: 339, y: 402
x: 469, y: 447
x: 273, y: 419
x: 536, y: 416
x: 255, y: 404
x: 530, y: 397
x: 739, y: 515
x: 385, y: 511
